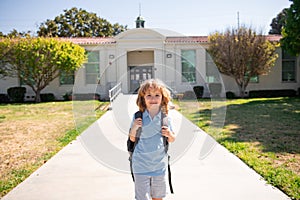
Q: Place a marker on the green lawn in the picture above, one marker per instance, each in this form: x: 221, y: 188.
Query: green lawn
x: 264, y: 133
x: 30, y: 134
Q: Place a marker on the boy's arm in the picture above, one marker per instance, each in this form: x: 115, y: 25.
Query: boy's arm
x: 137, y: 123
x: 132, y: 135
x: 172, y: 137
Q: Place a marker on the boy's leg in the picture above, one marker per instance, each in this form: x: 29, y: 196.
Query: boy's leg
x: 158, y: 187
x: 142, y: 187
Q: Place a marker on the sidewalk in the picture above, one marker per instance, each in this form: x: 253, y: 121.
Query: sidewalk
x: 95, y: 166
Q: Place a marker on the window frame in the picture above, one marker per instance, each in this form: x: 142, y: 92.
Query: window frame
x: 192, y: 72
x: 97, y: 68
x: 66, y: 75
x: 286, y: 57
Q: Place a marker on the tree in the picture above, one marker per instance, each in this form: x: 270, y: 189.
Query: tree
x: 15, y: 34
x: 4, y: 64
x: 5, y: 68
x: 79, y: 23
x: 242, y: 54
x: 278, y: 22
x: 291, y: 30
x: 38, y: 61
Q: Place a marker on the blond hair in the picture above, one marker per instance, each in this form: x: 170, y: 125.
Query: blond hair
x: 157, y: 85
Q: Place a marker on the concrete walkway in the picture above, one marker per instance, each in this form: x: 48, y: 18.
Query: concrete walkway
x: 95, y: 166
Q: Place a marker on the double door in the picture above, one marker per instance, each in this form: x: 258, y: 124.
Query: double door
x: 137, y: 75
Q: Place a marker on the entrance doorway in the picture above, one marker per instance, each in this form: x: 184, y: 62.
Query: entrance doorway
x: 137, y: 75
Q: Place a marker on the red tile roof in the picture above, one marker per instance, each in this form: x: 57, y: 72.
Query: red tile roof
x: 170, y: 40
x: 274, y: 38
x: 89, y: 40
x: 187, y: 39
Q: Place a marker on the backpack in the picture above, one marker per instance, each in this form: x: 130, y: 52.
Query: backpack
x: 131, y: 146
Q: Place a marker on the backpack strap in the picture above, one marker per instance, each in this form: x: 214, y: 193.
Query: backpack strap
x: 131, y: 145
x: 166, y: 145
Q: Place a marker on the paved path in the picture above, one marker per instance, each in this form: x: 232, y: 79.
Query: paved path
x: 95, y: 166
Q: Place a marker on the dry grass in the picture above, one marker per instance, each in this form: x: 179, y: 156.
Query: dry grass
x: 29, y: 135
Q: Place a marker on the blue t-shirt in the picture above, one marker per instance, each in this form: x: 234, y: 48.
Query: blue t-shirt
x: 149, y: 156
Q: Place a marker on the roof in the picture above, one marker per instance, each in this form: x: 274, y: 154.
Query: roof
x: 103, y: 40
x: 169, y: 39
x: 187, y: 39
x: 274, y: 38
x: 90, y: 40
x: 167, y: 33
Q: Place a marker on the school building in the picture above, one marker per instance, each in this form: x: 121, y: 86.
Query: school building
x: 142, y: 53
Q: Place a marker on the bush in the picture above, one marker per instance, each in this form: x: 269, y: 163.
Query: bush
x: 272, y: 93
x: 67, y: 96
x: 189, y: 95
x: 87, y: 96
x: 299, y: 92
x: 4, y: 98
x: 198, y: 91
x: 230, y: 95
x: 16, y: 94
x: 215, y: 89
x: 47, y: 97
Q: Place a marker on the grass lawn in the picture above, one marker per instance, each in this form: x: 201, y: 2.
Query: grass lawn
x: 264, y: 133
x: 30, y: 134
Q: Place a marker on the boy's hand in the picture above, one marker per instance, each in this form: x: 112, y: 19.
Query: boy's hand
x: 165, y: 131
x: 136, y: 125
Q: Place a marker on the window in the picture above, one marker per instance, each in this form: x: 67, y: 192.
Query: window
x: 288, y: 67
x: 26, y: 75
x: 254, y: 79
x: 188, y: 63
x: 66, y: 78
x: 212, y: 72
x: 92, y: 68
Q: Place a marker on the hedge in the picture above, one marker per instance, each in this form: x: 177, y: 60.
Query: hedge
x: 272, y: 93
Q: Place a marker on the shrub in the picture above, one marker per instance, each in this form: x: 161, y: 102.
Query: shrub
x: 272, y: 93
x: 189, y: 95
x: 4, y: 98
x: 87, y: 96
x: 67, y: 96
x: 230, y: 95
x: 215, y: 89
x: 16, y: 94
x: 47, y: 97
x: 198, y: 91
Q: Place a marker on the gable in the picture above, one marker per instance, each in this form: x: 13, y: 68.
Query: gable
x: 139, y: 34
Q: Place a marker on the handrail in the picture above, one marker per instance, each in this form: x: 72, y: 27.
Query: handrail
x: 113, y: 92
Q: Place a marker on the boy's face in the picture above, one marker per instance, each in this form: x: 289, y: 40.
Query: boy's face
x: 153, y: 98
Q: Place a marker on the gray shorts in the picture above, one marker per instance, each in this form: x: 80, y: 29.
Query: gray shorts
x: 148, y: 187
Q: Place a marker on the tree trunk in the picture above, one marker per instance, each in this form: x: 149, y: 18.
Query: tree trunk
x: 242, y: 91
x: 242, y: 87
x: 38, y: 96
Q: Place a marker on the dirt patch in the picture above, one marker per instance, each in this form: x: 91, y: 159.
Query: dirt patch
x: 27, y: 134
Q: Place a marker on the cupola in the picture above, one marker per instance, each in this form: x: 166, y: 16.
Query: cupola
x: 140, y: 22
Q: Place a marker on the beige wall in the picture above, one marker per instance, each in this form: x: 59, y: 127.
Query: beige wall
x: 267, y: 82
x: 140, y: 57
x: 146, y: 47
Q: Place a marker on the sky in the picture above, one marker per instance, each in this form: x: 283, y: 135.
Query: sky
x: 188, y: 17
